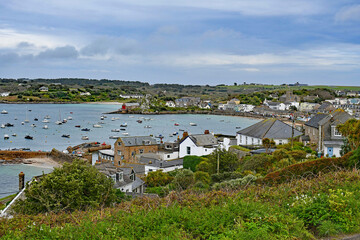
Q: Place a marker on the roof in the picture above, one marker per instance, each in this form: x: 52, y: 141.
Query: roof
x: 107, y: 168
x: 161, y: 164
x: 314, y: 121
x: 109, y: 152
x: 203, y: 139
x: 138, y: 141
x: 324, y: 105
x: 270, y: 128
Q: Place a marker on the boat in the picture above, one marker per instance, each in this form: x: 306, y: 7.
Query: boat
x: 114, y: 118
x: 193, y: 124
x: 115, y: 130
x: 28, y: 137
x: 2, y: 125
x: 146, y: 119
x: 176, y: 124
x: 159, y: 136
x: 85, y: 129
x: 64, y: 121
x: 15, y: 118
x: 101, y: 123
x: 6, y: 136
x: 47, y: 117
x: 238, y: 127
x: 70, y: 118
x: 175, y: 133
x: 22, y: 123
x: 139, y: 121
x: 123, y: 129
x: 147, y: 126
x: 45, y: 121
x: 65, y: 136
x: 58, y: 122
x: 84, y: 138
x: 14, y: 134
x: 123, y: 125
x: 36, y: 119
x: 114, y: 137
x: 77, y: 126
x: 45, y: 127
x: 131, y: 116
x: 125, y: 133
x: 9, y: 125
x: 97, y: 126
x: 33, y: 125
x: 182, y: 130
x: 4, y: 112
x: 102, y: 118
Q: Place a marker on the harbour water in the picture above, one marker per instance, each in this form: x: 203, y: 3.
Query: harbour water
x: 86, y: 115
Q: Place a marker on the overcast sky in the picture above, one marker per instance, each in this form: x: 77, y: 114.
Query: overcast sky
x: 183, y: 41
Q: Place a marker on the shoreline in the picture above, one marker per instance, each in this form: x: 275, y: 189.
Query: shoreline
x: 47, y: 162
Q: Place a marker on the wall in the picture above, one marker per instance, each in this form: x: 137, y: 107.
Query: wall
x: 194, y: 150
x: 168, y: 169
x: 10, y: 155
x: 247, y: 141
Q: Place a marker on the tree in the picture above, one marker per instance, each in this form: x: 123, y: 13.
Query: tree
x: 75, y: 186
x: 267, y: 143
x: 157, y: 179
x: 351, y: 130
x: 203, y: 177
x: 184, y: 179
x: 228, y: 161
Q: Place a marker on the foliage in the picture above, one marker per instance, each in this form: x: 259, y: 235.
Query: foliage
x: 235, y: 183
x: 351, y: 130
x: 257, y: 163
x: 240, y: 148
x: 75, y: 186
x: 219, y: 177
x: 190, y: 162
x: 228, y: 162
x: 203, y: 177
x: 298, y: 155
x: 268, y: 143
x: 161, y: 191
x: 157, y: 179
x: 184, y: 179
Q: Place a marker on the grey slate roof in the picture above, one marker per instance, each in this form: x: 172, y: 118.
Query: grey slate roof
x: 314, y: 121
x: 161, y: 164
x: 203, y: 139
x: 138, y: 141
x: 269, y: 128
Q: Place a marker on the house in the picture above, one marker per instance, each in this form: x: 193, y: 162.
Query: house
x: 289, y: 97
x: 198, y: 145
x: 126, y: 148
x: 352, y: 94
x: 204, y: 105
x: 187, y: 101
x: 276, y: 105
x: 244, y: 108
x: 270, y: 128
x: 170, y: 104
x: 289, y: 105
x: 153, y: 163
x: 85, y: 94
x: 311, y: 127
x: 330, y: 139
x: 43, y: 89
x: 124, y: 179
x: 127, y: 96
x: 234, y: 101
x: 4, y: 94
x: 325, y: 107
x: 307, y: 107
x: 105, y: 155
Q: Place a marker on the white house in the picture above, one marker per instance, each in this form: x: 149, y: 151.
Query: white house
x: 198, y: 145
x: 127, y: 96
x: 165, y: 166
x: 288, y: 105
x: 4, y: 94
x: 43, y: 89
x: 170, y: 104
x: 276, y: 105
x: 270, y: 128
x: 85, y: 94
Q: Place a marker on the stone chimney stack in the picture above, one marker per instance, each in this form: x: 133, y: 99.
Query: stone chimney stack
x: 185, y: 134
x: 21, y: 181
x: 206, y: 132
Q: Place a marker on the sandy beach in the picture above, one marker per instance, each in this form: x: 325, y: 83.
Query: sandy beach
x: 42, y: 162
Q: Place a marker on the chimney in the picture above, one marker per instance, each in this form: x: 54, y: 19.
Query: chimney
x: 206, y: 132
x: 21, y: 181
x: 185, y: 134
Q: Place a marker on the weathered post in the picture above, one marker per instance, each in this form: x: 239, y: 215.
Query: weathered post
x: 21, y: 181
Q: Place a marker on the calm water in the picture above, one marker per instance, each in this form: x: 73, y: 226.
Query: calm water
x: 9, y: 180
x: 86, y: 115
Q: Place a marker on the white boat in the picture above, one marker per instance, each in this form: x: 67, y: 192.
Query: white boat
x: 14, y: 134
x: 2, y: 125
x: 70, y: 118
x: 97, y: 126
x: 47, y: 117
x: 147, y: 126
x: 45, y: 121
x: 115, y: 130
x: 131, y: 116
x: 64, y: 121
x: 6, y: 136
x: 45, y: 127
x: 114, y: 118
x: 4, y: 112
x: 193, y: 124
x: 114, y: 137
x: 84, y: 138
x: 26, y: 120
x: 58, y: 122
x: 101, y: 123
x: 123, y: 125
x: 102, y: 118
x: 33, y: 125
x: 22, y: 123
x: 125, y: 133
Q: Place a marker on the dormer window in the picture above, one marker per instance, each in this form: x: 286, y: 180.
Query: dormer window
x: 336, y: 132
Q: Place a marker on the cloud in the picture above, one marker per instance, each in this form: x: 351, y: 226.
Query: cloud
x: 59, y: 52
x: 110, y: 45
x: 350, y: 13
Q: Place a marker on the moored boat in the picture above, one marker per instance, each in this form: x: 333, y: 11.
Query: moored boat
x: 6, y: 136
x: 84, y: 138
x: 193, y: 124
x: 85, y: 129
x: 115, y: 130
x: 4, y: 112
x: 45, y: 127
x: 114, y: 137
x: 29, y: 137
x: 97, y: 126
x: 123, y: 125
x: 65, y: 136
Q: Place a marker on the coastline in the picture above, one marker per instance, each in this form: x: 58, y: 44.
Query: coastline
x: 35, y: 162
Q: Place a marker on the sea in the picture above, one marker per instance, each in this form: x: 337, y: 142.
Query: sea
x: 168, y: 126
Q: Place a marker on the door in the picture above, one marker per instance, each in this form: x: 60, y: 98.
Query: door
x: 330, y: 151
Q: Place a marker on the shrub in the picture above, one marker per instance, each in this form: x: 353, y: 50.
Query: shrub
x: 298, y: 154
x: 258, y: 163
x: 184, y: 179
x: 190, y: 162
x: 235, y: 183
x: 203, y: 177
x: 157, y: 179
x: 225, y: 176
x: 75, y: 186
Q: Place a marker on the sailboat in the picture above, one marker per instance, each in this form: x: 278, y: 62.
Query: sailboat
x: 59, y: 122
x: 26, y: 117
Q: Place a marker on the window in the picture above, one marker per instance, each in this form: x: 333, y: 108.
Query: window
x: 205, y: 150
x: 336, y: 132
x: 188, y: 150
x: 280, y: 142
x: 122, y: 157
x: 141, y: 151
x: 119, y: 152
x: 246, y: 140
x: 132, y: 153
x: 119, y: 163
x: 119, y: 143
x: 168, y: 156
x: 240, y: 139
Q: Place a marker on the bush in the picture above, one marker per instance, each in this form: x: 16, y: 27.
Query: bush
x: 190, y: 162
x: 235, y: 183
x: 184, y: 179
x: 203, y: 177
x: 258, y: 163
x: 75, y: 186
x: 157, y: 179
x: 298, y: 154
x: 225, y: 176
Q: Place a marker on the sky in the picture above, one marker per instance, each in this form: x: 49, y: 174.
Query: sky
x: 316, y: 42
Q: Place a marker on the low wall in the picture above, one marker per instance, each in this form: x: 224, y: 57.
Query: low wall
x: 11, y: 155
